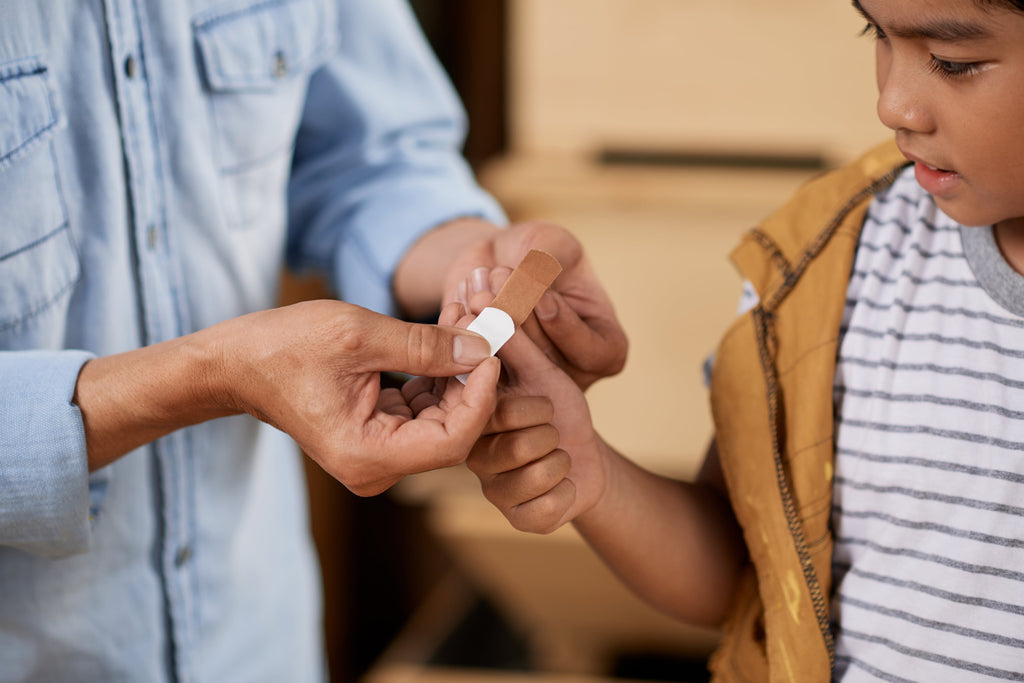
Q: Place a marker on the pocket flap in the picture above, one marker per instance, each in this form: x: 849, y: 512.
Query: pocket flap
x: 28, y: 108
x: 255, y: 47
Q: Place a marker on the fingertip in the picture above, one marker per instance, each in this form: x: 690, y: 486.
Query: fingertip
x: 480, y: 280
x: 476, y: 400
x: 486, y: 374
x: 547, y: 306
x: 416, y: 386
x: 499, y: 276
x: 451, y: 313
x: 482, y: 386
x: 479, y: 302
x: 469, y: 348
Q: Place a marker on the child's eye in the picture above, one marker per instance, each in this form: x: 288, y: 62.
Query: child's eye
x: 873, y: 31
x: 948, y: 69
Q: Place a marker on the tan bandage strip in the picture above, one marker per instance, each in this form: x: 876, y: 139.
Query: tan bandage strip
x: 516, y: 299
x: 527, y: 284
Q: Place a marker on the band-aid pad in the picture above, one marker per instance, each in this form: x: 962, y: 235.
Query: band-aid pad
x: 516, y: 299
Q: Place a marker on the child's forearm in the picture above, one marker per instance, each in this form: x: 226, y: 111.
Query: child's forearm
x: 676, y: 544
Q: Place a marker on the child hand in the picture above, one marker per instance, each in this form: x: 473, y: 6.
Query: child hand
x: 539, y: 461
x: 521, y: 469
x: 579, y: 330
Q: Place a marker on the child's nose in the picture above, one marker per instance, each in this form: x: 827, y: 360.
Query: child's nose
x: 903, y: 96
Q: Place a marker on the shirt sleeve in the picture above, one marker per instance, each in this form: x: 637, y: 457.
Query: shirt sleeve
x: 44, y: 471
x: 377, y: 160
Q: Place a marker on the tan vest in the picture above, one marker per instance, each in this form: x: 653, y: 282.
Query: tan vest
x: 771, y: 397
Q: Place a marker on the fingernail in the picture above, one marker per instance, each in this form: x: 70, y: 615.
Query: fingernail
x: 471, y: 349
x: 547, y: 307
x: 481, y: 279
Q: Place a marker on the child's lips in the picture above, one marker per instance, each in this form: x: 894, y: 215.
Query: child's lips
x: 936, y: 181
x: 936, y: 168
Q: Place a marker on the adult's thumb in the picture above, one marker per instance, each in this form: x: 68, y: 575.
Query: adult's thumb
x: 427, y: 350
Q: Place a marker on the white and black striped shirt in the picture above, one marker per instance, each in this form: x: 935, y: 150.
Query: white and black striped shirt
x: 928, y: 508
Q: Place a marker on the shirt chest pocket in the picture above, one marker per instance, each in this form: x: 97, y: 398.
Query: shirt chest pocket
x: 255, y: 62
x: 38, y: 261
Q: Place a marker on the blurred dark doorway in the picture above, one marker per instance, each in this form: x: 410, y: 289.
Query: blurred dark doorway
x: 469, y: 36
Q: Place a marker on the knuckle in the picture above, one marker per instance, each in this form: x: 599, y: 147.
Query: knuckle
x: 533, y: 523
x: 358, y: 478
x: 494, y: 496
x: 475, y: 461
x: 498, y: 449
x: 548, y: 437
x: 524, y: 523
x: 561, y: 463
x: 544, y: 232
x: 351, y: 338
x: 547, y: 508
x: 548, y: 529
x: 534, y: 232
x: 538, y: 478
x: 422, y: 345
x: 515, y: 449
x: 367, y: 489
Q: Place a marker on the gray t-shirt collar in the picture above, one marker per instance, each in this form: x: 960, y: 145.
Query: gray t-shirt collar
x: 996, y: 276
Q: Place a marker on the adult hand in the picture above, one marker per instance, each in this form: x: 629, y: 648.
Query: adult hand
x: 311, y: 370
x: 575, y: 324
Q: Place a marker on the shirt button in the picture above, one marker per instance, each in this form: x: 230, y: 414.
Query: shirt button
x: 152, y: 237
x: 280, y: 65
x: 130, y: 66
x: 183, y: 555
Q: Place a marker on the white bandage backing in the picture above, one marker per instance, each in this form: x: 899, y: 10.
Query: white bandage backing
x: 494, y: 325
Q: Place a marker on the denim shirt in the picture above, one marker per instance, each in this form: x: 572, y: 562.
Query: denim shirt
x: 160, y: 163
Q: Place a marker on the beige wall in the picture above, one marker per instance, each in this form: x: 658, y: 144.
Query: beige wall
x: 730, y: 75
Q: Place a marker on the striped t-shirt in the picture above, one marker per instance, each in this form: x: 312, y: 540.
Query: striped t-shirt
x: 928, y: 507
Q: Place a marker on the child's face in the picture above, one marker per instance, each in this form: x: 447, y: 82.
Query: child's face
x: 951, y: 84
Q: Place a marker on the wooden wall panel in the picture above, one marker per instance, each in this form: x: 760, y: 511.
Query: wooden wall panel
x: 705, y: 75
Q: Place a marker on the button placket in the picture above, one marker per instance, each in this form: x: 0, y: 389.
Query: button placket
x: 183, y: 555
x: 131, y: 66
x: 280, y: 62
x: 143, y: 174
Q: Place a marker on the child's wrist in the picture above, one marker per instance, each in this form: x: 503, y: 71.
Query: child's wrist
x: 604, y: 501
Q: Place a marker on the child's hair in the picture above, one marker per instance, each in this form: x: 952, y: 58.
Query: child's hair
x: 1008, y: 4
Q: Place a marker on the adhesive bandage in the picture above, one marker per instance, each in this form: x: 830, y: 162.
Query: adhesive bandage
x: 516, y: 299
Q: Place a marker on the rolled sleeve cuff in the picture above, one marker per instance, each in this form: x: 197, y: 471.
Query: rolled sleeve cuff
x: 44, y: 472
x: 382, y: 232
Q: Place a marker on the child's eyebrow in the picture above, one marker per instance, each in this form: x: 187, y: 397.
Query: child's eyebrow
x: 944, y: 31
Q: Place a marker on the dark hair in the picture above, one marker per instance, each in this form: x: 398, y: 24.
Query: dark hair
x: 1006, y: 4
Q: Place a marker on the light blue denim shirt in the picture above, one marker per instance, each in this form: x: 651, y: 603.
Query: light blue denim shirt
x: 159, y: 163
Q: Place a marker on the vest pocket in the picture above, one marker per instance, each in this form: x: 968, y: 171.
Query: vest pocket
x: 38, y: 261
x: 254, y: 62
